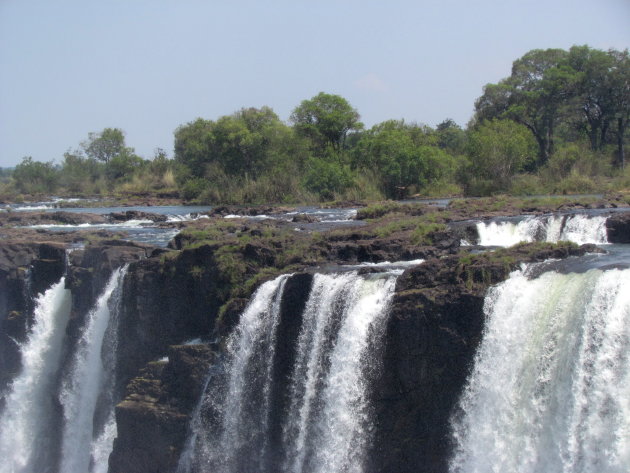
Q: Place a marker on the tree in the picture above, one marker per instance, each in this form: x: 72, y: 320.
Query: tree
x: 326, y: 119
x: 78, y: 173
x: 247, y: 143
x: 33, y: 177
x: 404, y: 157
x: 451, y: 137
x: 498, y: 149
x: 105, y: 145
x: 593, y: 98
x: 540, y: 84
x: 620, y: 91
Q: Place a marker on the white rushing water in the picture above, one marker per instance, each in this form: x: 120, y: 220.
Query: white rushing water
x: 327, y: 429
x: 579, y: 229
x: 325, y: 426
x: 25, y: 425
x: 550, y: 389
x: 82, y: 387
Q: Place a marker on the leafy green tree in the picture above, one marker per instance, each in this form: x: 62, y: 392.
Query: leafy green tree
x: 34, y: 177
x: 593, y: 98
x: 404, y: 157
x: 326, y: 119
x: 620, y: 90
x: 79, y: 173
x: 106, y: 145
x: 497, y: 149
x: 245, y: 144
x: 123, y: 166
x: 193, y: 146
x: 327, y: 178
x: 534, y: 95
x: 451, y: 137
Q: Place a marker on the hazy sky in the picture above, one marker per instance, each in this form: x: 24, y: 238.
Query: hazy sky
x: 70, y: 67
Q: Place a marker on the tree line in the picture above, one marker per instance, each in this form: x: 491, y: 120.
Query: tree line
x: 557, y: 123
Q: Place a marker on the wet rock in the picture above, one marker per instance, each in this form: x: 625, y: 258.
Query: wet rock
x: 23, y: 219
x: 618, y: 228
x: 154, y: 416
x: 119, y: 217
x: 305, y: 218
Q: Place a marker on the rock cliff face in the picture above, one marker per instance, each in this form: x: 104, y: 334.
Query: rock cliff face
x: 153, y: 419
x: 618, y: 228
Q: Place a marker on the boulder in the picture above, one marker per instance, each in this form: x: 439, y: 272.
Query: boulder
x: 618, y: 228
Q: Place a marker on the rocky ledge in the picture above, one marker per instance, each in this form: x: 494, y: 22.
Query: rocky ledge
x: 60, y: 217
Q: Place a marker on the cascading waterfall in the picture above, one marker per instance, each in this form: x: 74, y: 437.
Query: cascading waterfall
x: 550, y: 389
x: 83, y: 386
x: 326, y: 426
x: 26, y: 425
x: 576, y: 228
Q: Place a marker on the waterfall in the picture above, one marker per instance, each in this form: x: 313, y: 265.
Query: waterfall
x: 550, y: 388
x: 326, y: 425
x: 579, y: 229
x: 26, y: 424
x: 84, y: 385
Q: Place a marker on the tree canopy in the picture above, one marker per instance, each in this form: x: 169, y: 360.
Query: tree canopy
x: 326, y: 119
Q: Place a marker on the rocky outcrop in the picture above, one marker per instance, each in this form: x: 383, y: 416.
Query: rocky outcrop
x: 90, y: 269
x: 153, y: 419
x: 118, y: 217
x: 61, y: 217
x: 618, y: 228
x: 50, y: 218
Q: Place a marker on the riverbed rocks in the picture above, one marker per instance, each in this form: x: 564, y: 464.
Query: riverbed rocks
x: 61, y: 218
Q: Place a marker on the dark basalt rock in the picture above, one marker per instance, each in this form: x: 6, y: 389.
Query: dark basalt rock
x: 90, y: 269
x: 50, y: 218
x: 117, y: 217
x: 618, y: 228
x: 304, y: 218
x: 153, y: 418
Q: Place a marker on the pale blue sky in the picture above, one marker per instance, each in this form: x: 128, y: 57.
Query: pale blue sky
x: 70, y: 67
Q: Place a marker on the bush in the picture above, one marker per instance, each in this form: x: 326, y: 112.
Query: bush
x: 193, y: 188
x: 326, y: 178
x: 34, y: 177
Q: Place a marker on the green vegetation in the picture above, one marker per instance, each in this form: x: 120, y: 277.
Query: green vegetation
x: 557, y: 124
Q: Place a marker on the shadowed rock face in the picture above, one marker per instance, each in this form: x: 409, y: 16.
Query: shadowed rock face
x: 153, y: 419
x: 618, y: 228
